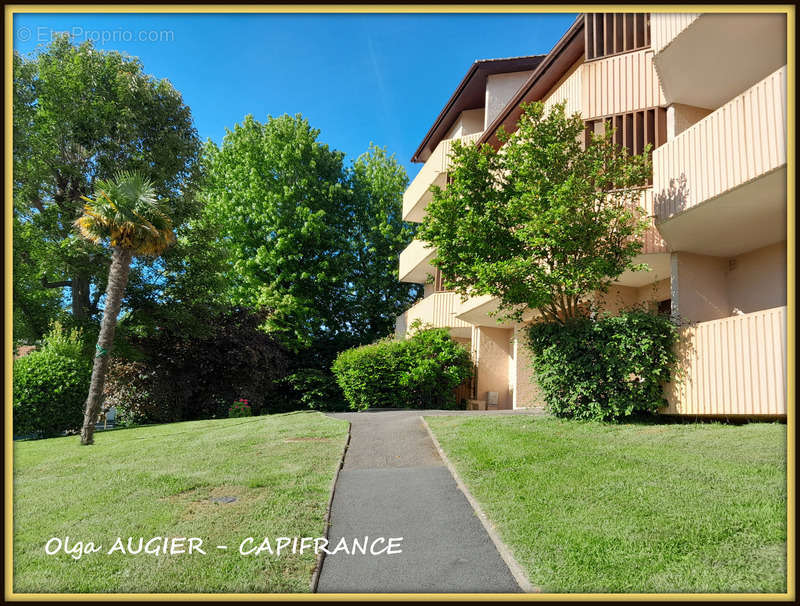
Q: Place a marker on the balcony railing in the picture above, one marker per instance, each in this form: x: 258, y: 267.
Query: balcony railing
x: 705, y: 60
x: 433, y: 172
x: 415, y: 262
x: 652, y: 242
x: 665, y: 27
x: 732, y: 366
x: 741, y: 141
x: 436, y: 309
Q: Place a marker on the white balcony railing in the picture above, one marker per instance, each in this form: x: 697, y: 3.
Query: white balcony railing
x: 433, y: 172
x: 732, y: 366
x: 741, y: 141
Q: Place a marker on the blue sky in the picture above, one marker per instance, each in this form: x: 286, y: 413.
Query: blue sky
x: 359, y: 78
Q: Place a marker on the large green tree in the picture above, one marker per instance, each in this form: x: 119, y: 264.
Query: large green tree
x: 378, y: 236
x: 309, y: 239
x: 80, y: 115
x: 543, y: 222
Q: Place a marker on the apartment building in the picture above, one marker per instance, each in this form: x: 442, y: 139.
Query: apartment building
x: 708, y: 91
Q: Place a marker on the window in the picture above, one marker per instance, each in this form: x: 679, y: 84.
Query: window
x: 607, y: 34
x: 665, y: 307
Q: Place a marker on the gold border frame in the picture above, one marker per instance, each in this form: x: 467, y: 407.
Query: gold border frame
x: 789, y: 10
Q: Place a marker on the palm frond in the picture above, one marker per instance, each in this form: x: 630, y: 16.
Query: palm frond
x: 126, y: 211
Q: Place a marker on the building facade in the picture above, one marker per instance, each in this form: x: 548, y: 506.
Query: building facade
x: 708, y: 92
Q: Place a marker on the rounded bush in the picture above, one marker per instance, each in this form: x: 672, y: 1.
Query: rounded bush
x: 604, y: 369
x: 50, y: 390
x: 420, y: 372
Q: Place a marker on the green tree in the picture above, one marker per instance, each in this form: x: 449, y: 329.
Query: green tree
x: 80, y: 115
x: 307, y: 239
x: 33, y: 306
x: 125, y: 212
x: 543, y: 222
x: 379, y: 235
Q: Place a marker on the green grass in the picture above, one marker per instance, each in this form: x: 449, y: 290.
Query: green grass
x: 589, y: 507
x: 158, y: 481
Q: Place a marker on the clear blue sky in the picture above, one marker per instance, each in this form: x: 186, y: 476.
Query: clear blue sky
x: 359, y: 78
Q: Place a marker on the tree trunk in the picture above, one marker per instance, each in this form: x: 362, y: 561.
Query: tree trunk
x: 117, y: 280
x: 80, y: 298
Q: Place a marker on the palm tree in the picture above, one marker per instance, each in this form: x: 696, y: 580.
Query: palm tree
x: 126, y: 212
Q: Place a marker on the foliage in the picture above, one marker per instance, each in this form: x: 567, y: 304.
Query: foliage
x: 81, y: 115
x: 126, y: 212
x: 541, y: 223
x: 69, y: 343
x: 420, y: 372
x: 183, y: 376
x: 34, y: 307
x: 49, y: 391
x: 316, y: 389
x: 240, y: 408
x: 377, y: 236
x: 604, y: 368
x: 307, y: 239
x: 371, y: 375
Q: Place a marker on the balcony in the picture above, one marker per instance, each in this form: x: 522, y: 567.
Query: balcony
x: 415, y: 262
x: 482, y: 311
x: 433, y: 172
x: 437, y: 310
x: 721, y: 184
x: 733, y: 366
x: 704, y: 60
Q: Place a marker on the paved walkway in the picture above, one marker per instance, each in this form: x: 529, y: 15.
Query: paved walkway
x: 394, y: 484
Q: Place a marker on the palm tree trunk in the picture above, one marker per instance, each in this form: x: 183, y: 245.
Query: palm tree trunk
x: 117, y: 280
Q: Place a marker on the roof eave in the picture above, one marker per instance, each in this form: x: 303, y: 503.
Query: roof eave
x: 555, y: 64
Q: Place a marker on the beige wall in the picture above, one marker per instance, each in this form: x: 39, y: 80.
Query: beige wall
x: 568, y: 89
x: 680, y: 117
x: 499, y: 90
x: 708, y: 288
x: 699, y: 287
x: 653, y: 293
x: 467, y: 123
x: 617, y: 298
x: 492, y: 354
x: 526, y: 393
x: 757, y: 280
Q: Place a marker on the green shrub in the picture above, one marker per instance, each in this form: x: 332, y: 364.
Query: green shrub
x: 420, y: 372
x: 68, y: 343
x: 606, y: 368
x: 49, y: 392
x: 316, y: 389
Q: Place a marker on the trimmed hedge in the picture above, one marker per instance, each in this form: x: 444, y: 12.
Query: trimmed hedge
x: 606, y: 368
x: 49, y: 393
x: 420, y: 372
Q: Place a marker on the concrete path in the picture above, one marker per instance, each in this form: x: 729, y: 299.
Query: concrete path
x: 394, y: 484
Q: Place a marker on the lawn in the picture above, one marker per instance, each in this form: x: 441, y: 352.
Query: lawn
x: 159, y: 481
x: 589, y: 507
